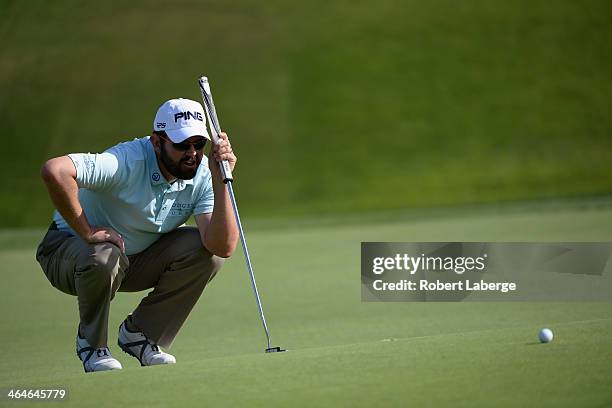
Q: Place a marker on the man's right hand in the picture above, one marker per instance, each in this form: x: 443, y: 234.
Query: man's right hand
x: 105, y: 234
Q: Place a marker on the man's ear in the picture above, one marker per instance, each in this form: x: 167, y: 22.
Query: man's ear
x: 156, y: 142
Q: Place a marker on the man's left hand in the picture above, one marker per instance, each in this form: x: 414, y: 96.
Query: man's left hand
x: 220, y: 152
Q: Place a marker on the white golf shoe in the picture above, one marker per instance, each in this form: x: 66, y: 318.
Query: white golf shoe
x: 136, y: 344
x: 95, y: 359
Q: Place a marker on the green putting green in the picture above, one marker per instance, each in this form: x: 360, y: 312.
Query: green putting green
x: 342, y: 352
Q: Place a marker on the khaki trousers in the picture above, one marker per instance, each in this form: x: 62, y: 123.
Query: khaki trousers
x: 177, y: 267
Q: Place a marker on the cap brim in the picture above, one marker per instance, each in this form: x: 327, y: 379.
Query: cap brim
x: 184, y: 133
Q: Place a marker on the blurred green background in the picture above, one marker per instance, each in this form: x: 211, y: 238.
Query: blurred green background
x: 332, y: 106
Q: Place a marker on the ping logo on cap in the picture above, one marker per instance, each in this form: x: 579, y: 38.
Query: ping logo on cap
x: 181, y: 119
x: 187, y: 115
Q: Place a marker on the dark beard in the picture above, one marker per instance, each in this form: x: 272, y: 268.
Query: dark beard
x: 175, y: 168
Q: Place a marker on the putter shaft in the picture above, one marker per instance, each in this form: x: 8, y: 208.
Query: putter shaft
x: 248, y: 261
x: 215, y: 130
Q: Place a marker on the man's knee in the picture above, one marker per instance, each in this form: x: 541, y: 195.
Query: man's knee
x: 204, y: 261
x: 191, y: 253
x: 104, y: 262
x: 212, y: 264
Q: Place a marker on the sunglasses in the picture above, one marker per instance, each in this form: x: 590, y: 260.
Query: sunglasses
x: 184, y: 146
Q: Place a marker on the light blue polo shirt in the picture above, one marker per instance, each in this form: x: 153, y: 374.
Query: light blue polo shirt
x: 124, y: 189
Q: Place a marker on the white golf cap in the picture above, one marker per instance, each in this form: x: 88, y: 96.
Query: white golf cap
x: 181, y: 119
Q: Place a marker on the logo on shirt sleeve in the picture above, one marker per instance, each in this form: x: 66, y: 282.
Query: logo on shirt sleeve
x: 89, y: 164
x: 155, y: 176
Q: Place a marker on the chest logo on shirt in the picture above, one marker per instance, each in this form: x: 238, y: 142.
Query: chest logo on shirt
x: 181, y: 209
x: 155, y: 176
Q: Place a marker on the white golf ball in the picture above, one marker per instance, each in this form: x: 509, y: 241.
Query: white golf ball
x: 546, y: 335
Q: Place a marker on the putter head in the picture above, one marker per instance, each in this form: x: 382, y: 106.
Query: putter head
x: 274, y: 350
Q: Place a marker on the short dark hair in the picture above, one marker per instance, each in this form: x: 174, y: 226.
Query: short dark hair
x: 160, y: 133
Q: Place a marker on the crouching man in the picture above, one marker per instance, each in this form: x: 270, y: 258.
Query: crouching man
x: 118, y: 226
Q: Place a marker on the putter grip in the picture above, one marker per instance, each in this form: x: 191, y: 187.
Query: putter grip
x: 226, y: 171
x: 213, y: 121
